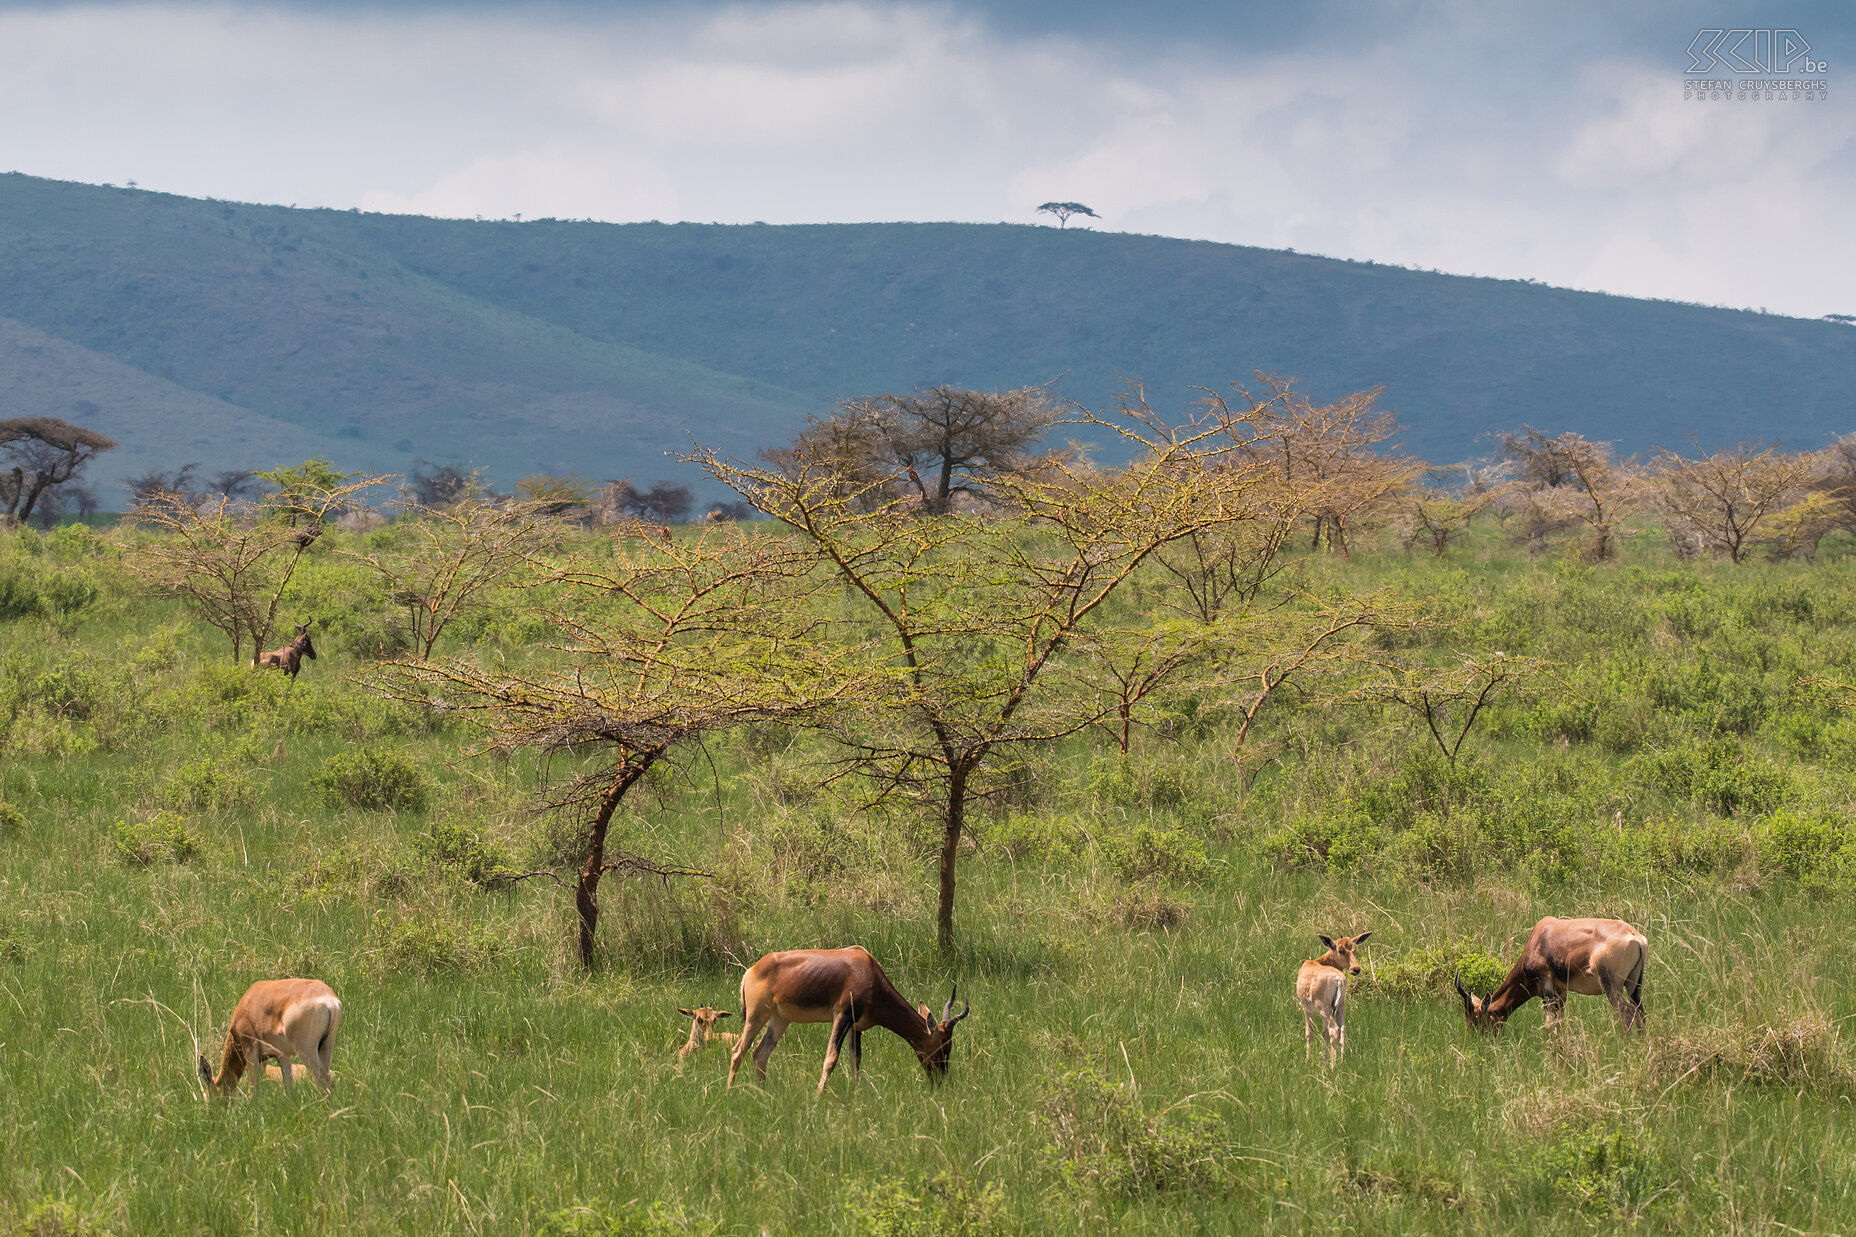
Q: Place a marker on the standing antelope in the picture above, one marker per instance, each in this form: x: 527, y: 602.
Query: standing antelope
x: 289, y: 659
x: 1593, y: 957
x: 278, y: 1019
x: 1321, y: 987
x: 847, y: 988
x: 702, y: 1029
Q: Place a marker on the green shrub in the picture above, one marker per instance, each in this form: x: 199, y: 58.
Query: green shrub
x: 13, y: 947
x: 372, y: 779
x: 1035, y: 835
x: 19, y: 592
x: 53, y: 1217
x: 431, y: 943
x: 209, y: 785
x: 630, y: 1220
x: 943, y: 1206
x: 1101, y: 1136
x: 1715, y: 775
x: 1147, y: 852
x: 1603, y: 1168
x: 12, y: 820
x: 1418, y: 974
x: 451, y: 845
x: 162, y: 837
x: 1818, y: 849
x: 1126, y: 781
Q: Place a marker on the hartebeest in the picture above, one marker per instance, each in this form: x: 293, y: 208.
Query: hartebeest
x: 702, y: 1029
x: 1321, y: 987
x: 289, y: 659
x: 278, y: 1019
x: 847, y: 988
x: 1592, y: 957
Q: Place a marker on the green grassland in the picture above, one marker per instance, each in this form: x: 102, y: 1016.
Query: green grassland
x: 173, y: 829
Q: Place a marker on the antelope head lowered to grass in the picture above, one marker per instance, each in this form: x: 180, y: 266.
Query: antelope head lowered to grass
x: 289, y: 659
x: 1321, y: 987
x: 278, y: 1019
x: 702, y: 1029
x: 1593, y: 957
x: 846, y: 988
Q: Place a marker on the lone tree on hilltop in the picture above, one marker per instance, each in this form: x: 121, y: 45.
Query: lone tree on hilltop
x: 1063, y: 211
x: 45, y: 452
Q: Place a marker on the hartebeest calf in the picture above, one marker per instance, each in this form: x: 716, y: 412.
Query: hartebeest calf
x: 278, y: 1019
x: 1321, y: 987
x: 847, y: 988
x: 289, y: 659
x: 1593, y: 957
x: 702, y: 1029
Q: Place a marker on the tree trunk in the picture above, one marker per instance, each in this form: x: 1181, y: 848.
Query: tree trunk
x: 951, y: 827
x: 586, y: 890
x: 1127, y: 723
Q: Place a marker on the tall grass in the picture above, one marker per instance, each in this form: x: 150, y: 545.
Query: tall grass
x: 1129, y: 937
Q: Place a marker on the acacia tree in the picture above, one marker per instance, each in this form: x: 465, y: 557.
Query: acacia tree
x: 1570, y: 481
x: 1063, y: 211
x: 1723, y: 501
x: 1433, y: 515
x: 231, y: 561
x: 934, y: 443
x: 45, y: 453
x: 1329, y: 455
x: 657, y: 644
x: 980, y: 625
x: 442, y: 561
x: 1447, y: 699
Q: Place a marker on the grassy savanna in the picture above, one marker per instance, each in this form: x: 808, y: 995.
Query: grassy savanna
x: 177, y: 826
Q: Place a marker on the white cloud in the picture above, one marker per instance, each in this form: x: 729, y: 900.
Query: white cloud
x: 1598, y: 178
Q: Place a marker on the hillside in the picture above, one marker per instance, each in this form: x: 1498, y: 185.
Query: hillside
x: 380, y: 340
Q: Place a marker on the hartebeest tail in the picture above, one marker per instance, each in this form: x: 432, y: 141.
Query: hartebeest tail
x: 846, y: 988
x: 702, y: 1029
x: 278, y: 1019
x: 1592, y: 957
x: 289, y: 659
x: 1321, y: 987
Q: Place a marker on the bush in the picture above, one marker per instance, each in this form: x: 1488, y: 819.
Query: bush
x: 12, y: 820
x: 1602, y: 1167
x: 162, y: 837
x: 1101, y: 1136
x: 631, y: 1220
x: 1148, y: 852
x: 372, y: 779
x: 1037, y: 836
x: 464, y: 850
x: 943, y: 1206
x: 55, y: 1218
x: 1714, y: 775
x: 1419, y: 974
x: 1127, y: 782
x: 432, y: 943
x: 208, y: 785
x: 1817, y: 849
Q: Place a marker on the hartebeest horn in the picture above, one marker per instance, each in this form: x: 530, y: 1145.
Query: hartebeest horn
x: 948, y: 1008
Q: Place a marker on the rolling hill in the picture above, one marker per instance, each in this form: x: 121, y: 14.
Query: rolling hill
x: 243, y: 336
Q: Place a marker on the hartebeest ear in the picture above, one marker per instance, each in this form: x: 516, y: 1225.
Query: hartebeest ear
x: 687, y: 1013
x: 927, y: 1017
x: 1361, y: 939
x: 1325, y: 941
x: 723, y: 1014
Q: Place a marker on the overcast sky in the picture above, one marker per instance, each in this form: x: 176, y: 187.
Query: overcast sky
x: 1473, y: 138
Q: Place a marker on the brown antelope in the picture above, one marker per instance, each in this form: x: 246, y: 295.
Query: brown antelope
x: 1593, y: 957
x: 847, y: 988
x: 1321, y: 987
x: 278, y: 1019
x: 702, y: 1029
x: 289, y: 659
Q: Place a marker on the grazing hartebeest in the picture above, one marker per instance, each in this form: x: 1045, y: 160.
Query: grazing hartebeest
x: 1593, y: 957
x: 1321, y: 987
x: 847, y: 988
x: 702, y: 1029
x: 289, y: 659
x: 278, y: 1019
